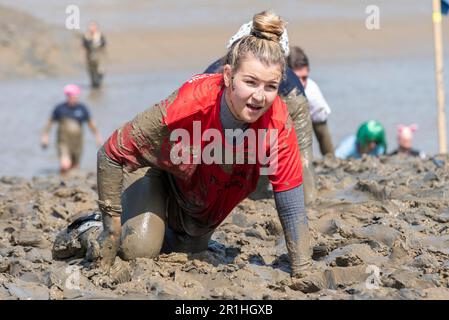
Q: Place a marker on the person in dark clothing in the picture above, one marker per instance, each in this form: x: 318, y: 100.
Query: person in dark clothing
x: 94, y: 43
x: 70, y: 116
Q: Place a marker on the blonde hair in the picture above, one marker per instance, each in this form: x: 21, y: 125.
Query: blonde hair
x: 262, y: 42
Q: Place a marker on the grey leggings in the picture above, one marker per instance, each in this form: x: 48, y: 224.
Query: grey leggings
x: 145, y: 232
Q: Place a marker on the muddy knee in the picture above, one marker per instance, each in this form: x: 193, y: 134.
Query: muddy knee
x: 143, y: 217
x: 142, y: 236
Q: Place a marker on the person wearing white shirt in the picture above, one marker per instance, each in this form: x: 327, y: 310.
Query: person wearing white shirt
x: 319, y: 109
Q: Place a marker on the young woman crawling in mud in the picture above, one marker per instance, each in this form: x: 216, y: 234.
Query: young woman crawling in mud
x: 176, y: 207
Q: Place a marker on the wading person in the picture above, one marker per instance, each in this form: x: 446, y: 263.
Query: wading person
x: 70, y: 117
x: 291, y: 92
x: 319, y: 109
x: 94, y: 43
x: 370, y: 140
x: 176, y: 206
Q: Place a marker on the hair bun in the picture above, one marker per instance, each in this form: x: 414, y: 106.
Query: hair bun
x: 267, y: 25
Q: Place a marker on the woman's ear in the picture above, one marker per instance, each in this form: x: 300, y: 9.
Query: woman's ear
x: 227, y: 75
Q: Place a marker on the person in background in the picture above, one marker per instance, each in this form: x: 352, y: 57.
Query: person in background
x: 370, y: 139
x: 319, y: 109
x: 94, y: 43
x: 70, y: 116
x: 405, y: 142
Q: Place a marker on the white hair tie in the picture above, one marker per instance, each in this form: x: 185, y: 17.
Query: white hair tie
x: 245, y: 30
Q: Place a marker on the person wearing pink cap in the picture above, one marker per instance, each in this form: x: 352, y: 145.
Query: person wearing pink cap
x: 405, y: 142
x: 70, y: 116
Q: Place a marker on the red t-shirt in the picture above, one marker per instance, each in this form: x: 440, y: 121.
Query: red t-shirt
x: 211, y: 190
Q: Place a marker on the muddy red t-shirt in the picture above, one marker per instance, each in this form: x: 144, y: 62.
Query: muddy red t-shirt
x: 211, y: 190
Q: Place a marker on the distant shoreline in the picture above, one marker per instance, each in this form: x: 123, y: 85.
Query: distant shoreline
x: 36, y: 48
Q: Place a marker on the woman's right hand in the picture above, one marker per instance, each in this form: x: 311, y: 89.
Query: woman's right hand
x: 103, y: 250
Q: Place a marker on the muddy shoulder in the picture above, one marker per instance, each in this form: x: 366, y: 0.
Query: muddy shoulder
x: 379, y: 230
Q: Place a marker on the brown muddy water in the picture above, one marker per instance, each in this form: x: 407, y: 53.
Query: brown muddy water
x: 385, y: 90
x: 25, y: 106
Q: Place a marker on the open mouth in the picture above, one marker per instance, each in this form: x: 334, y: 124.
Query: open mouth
x: 253, y: 107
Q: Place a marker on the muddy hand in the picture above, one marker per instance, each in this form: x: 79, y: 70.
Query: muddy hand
x: 103, y: 250
x: 309, y: 282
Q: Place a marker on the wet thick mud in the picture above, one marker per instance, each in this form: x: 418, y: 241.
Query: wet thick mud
x: 379, y: 227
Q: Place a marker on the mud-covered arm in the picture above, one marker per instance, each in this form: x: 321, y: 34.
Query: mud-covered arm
x: 109, y: 184
x: 288, y: 190
x: 292, y: 214
x: 299, y: 110
x: 119, y: 153
x: 139, y: 143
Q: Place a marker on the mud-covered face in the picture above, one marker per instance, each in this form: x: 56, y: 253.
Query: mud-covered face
x: 251, y: 90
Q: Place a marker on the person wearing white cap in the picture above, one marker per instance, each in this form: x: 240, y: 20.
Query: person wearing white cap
x: 70, y: 116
